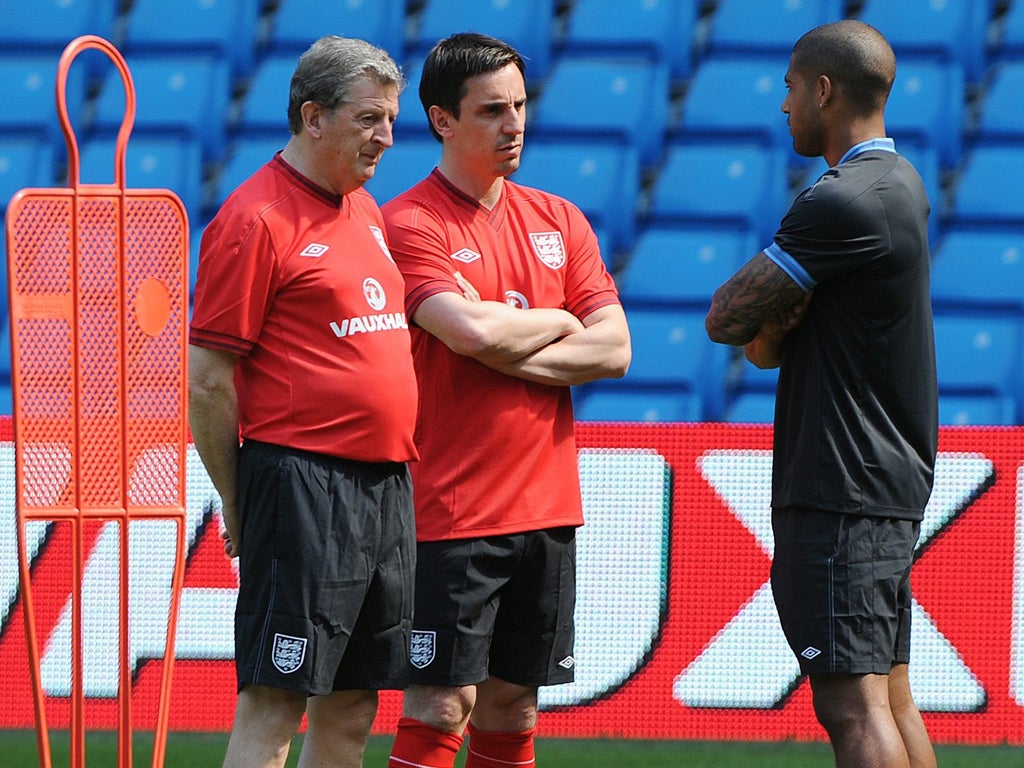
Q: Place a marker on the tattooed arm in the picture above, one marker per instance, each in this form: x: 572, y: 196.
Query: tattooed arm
x: 756, y: 308
x: 765, y: 349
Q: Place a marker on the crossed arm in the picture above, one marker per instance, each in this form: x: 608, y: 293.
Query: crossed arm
x: 543, y: 345
x: 756, y: 308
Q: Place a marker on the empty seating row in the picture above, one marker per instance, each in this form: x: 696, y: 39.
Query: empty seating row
x: 672, y: 359
x: 631, y: 104
x: 728, y: 187
x: 681, y: 266
x: 187, y: 98
x: 665, y: 29
x: 741, y: 96
x: 236, y: 31
x: 678, y: 374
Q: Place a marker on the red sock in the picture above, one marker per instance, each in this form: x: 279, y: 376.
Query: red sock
x: 493, y: 749
x: 418, y: 745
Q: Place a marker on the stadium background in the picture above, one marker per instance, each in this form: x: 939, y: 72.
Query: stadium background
x: 661, y: 120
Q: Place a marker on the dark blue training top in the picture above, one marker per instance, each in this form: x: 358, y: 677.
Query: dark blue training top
x: 856, y: 417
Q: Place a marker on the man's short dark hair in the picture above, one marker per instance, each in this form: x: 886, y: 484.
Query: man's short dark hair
x: 854, y: 56
x: 453, y: 61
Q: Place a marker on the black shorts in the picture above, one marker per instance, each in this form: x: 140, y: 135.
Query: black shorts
x: 325, y: 573
x: 842, y: 588
x: 498, y: 606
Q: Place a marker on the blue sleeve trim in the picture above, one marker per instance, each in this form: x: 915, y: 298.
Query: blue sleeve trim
x: 791, y: 267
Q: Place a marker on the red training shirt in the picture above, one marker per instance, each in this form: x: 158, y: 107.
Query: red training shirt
x: 300, y: 284
x: 497, y: 453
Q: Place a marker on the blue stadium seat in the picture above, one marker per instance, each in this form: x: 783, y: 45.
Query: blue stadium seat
x: 5, y: 364
x: 28, y: 91
x: 738, y: 98
x: 978, y: 355
x: 5, y: 356
x: 528, y: 25
x: 244, y: 158
x: 1011, y: 43
x: 406, y: 163
x: 221, y: 29
x: 926, y: 161
x: 980, y: 269
x: 672, y: 349
x: 609, y: 252
x: 751, y: 408
x: 767, y: 26
x: 605, y: 98
x: 195, y: 239
x: 619, y: 403
x: 412, y: 120
x: 662, y: 30
x: 6, y: 398
x: 297, y: 23
x: 177, y: 96
x: 601, y: 178
x: 682, y: 266
x: 951, y: 30
x: 926, y: 107
x: 1000, y: 116
x: 739, y: 184
x: 988, y: 191
x: 47, y: 26
x: 265, y: 108
x: 977, y: 410
x: 750, y: 391
x: 747, y: 377
x: 150, y: 163
x: 25, y: 162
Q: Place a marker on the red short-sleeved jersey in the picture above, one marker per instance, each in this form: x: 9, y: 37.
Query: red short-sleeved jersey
x: 301, y: 285
x: 497, y: 453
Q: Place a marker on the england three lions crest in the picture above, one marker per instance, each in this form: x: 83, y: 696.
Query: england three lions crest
x: 549, y: 248
x: 422, y: 644
x: 288, y: 653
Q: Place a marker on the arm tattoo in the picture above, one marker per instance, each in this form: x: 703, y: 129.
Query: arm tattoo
x: 759, y: 290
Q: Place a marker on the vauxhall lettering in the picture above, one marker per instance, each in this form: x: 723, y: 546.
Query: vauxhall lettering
x: 387, y: 321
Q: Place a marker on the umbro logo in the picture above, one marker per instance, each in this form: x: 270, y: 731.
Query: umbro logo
x: 314, y: 250
x: 810, y: 652
x: 466, y: 256
x: 567, y: 663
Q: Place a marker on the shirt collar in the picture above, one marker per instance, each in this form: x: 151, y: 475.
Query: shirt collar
x: 884, y: 144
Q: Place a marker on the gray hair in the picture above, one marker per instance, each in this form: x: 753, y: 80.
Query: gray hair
x: 327, y: 72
